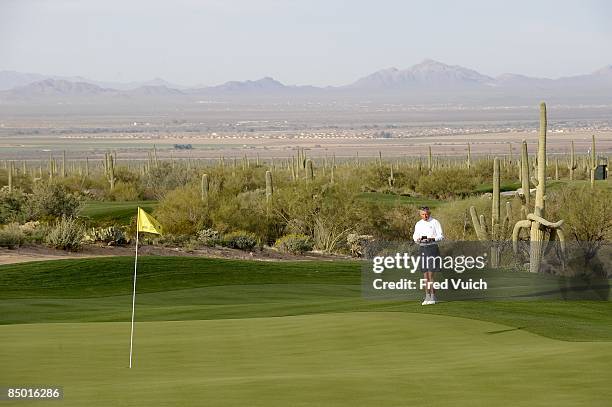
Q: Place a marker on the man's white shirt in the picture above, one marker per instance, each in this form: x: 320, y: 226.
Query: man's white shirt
x: 430, y: 228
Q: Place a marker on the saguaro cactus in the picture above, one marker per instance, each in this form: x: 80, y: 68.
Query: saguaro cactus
x: 109, y: 164
x: 64, y: 164
x: 498, y: 231
x: 309, y: 170
x: 51, y: 162
x: 429, y: 159
x: 469, y: 156
x: 269, y: 186
x: 524, y: 195
x: 10, y: 177
x: 391, y: 179
x: 572, y: 165
x: 593, y: 162
x: 539, y: 227
x: 204, y: 187
x: 293, y: 169
x: 510, y: 154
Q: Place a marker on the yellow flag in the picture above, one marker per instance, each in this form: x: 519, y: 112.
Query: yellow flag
x: 147, y: 223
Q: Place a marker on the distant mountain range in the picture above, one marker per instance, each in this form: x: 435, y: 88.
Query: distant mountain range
x: 13, y: 79
x: 429, y: 81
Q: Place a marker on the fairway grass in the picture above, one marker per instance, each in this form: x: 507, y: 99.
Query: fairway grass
x: 114, y: 212
x: 390, y: 200
x: 349, y: 359
x: 235, y: 333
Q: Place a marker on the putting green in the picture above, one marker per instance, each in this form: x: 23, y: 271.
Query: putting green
x: 353, y: 359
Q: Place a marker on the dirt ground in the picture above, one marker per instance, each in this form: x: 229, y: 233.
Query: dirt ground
x: 40, y: 253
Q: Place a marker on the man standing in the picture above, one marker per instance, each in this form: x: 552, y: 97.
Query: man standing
x: 427, y: 232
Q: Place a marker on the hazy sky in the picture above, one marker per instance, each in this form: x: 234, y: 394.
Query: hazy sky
x: 328, y: 42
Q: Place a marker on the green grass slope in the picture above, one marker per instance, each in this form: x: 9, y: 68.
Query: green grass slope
x: 114, y: 212
x: 188, y: 288
x: 234, y: 333
x: 350, y: 359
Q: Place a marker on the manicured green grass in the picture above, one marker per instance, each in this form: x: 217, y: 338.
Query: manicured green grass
x: 550, y: 185
x: 228, y: 332
x: 506, y: 186
x: 349, y: 359
x: 554, y: 185
x: 393, y: 199
x: 114, y: 212
x: 178, y: 288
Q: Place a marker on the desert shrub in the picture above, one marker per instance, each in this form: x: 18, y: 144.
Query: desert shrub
x: 35, y: 231
x: 586, y: 212
x: 398, y: 222
x: 294, y: 244
x: 112, y: 235
x: 454, y: 217
x: 247, y: 211
x: 67, y: 234
x: 163, y: 178
x: 11, y: 236
x: 209, y: 237
x: 242, y: 180
x: 12, y: 205
x: 51, y: 200
x: 75, y: 183
x: 190, y: 245
x: 124, y: 175
x: 171, y: 240
x: 124, y: 192
x: 240, y: 240
x: 456, y: 221
x: 20, y: 180
x: 358, y: 244
x: 182, y: 212
x: 482, y: 168
x: 407, y: 179
x: 446, y: 183
x: 376, y: 177
x: 327, y: 213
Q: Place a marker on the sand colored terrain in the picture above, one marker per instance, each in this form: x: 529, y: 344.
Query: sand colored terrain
x: 42, y: 253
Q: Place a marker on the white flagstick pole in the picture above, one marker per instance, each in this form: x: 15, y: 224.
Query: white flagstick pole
x: 134, y: 293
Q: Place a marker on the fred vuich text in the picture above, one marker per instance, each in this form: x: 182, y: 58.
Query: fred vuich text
x: 449, y: 283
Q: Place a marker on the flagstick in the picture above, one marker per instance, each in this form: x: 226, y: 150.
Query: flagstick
x: 134, y: 293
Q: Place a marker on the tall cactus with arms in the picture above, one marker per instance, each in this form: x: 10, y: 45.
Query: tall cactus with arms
x: 540, y: 228
x: 498, y: 229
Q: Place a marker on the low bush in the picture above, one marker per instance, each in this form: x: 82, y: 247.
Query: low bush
x: 11, y: 236
x: 112, y: 235
x: 294, y: 244
x: 164, y: 177
x: 240, y: 240
x: 358, y: 244
x: 209, y: 237
x: 182, y: 211
x: 35, y: 231
x: 67, y: 234
x: 51, y: 200
x: 586, y: 212
x: 11, y: 205
x: 398, y: 222
x: 171, y: 240
x: 446, y: 183
x: 124, y: 192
